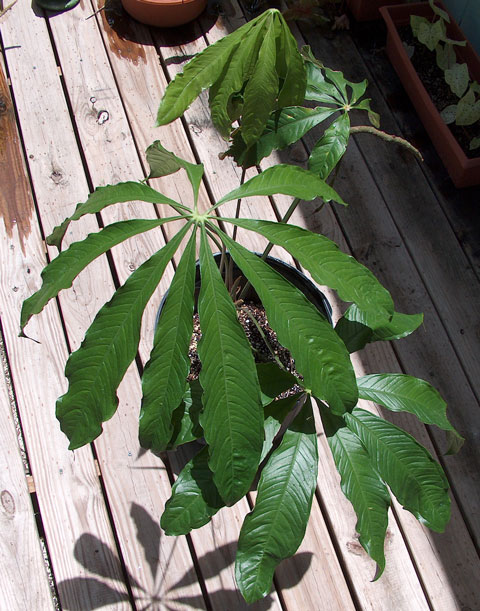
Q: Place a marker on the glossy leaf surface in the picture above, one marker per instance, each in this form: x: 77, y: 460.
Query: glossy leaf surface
x: 329, y: 266
x: 275, y: 528
x: 195, y: 498
x: 60, y: 273
x: 233, y: 418
x: 107, y: 196
x: 320, y: 356
x: 361, y: 485
x: 273, y: 381
x: 403, y: 393
x: 163, y: 380
x: 405, y: 466
x: 96, y: 369
x: 331, y: 147
x: 286, y: 179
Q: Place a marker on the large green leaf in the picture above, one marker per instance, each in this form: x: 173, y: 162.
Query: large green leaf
x: 286, y: 179
x: 163, y: 380
x: 331, y: 147
x: 356, y: 334
x: 283, y: 128
x: 60, y: 273
x: 404, y: 393
x: 107, y: 196
x: 329, y: 266
x: 275, y: 528
x: 195, y: 498
x: 295, y: 78
x: 405, y: 466
x: 361, y: 485
x: 232, y: 419
x: 261, y: 90
x: 320, y: 356
x: 96, y: 369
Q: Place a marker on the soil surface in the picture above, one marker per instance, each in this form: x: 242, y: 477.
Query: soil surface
x: 425, y: 64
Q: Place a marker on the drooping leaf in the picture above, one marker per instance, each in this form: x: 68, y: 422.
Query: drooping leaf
x: 163, y: 380
x: 438, y: 11
x: 405, y: 466
x: 275, y: 528
x: 404, y: 393
x: 283, y: 128
x: 96, y: 369
x: 107, y: 196
x: 273, y: 381
x: 163, y: 163
x: 320, y: 356
x: 275, y: 414
x: 286, y: 179
x: 186, y: 418
x: 331, y: 147
x: 373, y: 116
x: 232, y: 419
x: 361, y: 485
x: 445, y: 55
x: 295, y: 78
x: 319, y: 89
x: 356, y: 334
x: 261, y: 90
x: 195, y: 498
x: 60, y: 273
x: 329, y: 266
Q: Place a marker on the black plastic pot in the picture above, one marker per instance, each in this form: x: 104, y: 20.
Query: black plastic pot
x: 290, y: 273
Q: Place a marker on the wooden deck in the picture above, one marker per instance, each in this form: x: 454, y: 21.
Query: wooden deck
x: 95, y: 512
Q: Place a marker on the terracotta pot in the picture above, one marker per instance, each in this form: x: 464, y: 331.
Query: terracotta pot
x: 164, y: 13
x: 367, y: 10
x: 463, y: 171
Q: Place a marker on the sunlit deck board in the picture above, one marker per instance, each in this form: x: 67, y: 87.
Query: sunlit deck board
x: 126, y: 80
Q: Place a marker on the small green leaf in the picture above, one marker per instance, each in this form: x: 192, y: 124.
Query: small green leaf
x: 96, y: 369
x: 284, y: 127
x: 195, y: 498
x: 275, y: 414
x: 106, y: 196
x: 275, y: 528
x: 405, y: 466
x: 356, y: 333
x: 468, y: 110
x: 331, y: 147
x: 163, y: 380
x: 449, y: 113
x: 286, y: 179
x: 373, y: 116
x: 438, y: 11
x: 446, y: 56
x: 186, y: 418
x: 403, y: 393
x: 163, y: 163
x: 273, y: 381
x: 361, y: 485
x: 474, y: 143
x: 429, y: 34
x: 321, y: 90
x: 329, y: 266
x: 60, y: 273
x: 233, y: 418
x: 320, y: 356
x: 457, y: 78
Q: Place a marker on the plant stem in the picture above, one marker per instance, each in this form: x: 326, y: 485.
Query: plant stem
x: 263, y: 336
x: 368, y: 129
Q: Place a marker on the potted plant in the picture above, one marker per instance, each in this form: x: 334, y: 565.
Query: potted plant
x: 459, y: 74
x: 257, y: 77
x: 164, y: 13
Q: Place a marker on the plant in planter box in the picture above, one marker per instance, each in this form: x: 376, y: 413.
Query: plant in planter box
x: 433, y: 34
x: 256, y: 76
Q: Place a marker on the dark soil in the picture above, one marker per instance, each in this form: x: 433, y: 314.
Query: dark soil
x: 262, y: 352
x: 425, y: 64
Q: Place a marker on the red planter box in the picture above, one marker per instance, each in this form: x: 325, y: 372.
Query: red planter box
x: 463, y: 171
x: 367, y: 10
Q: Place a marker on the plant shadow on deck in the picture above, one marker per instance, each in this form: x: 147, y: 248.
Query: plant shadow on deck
x: 98, y: 559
